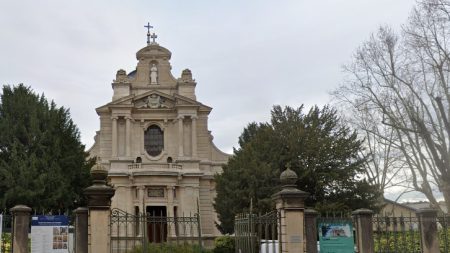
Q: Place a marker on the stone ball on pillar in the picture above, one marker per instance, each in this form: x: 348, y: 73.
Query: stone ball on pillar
x: 99, y: 173
x: 288, y: 178
x: 99, y: 194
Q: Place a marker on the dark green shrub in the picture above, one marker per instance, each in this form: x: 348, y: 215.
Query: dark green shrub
x: 224, y: 244
x: 169, y: 248
x: 408, y: 241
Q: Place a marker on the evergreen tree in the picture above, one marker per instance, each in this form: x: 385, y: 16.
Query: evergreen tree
x: 42, y: 161
x: 322, y: 152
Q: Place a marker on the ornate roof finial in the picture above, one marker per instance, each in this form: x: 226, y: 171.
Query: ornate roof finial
x: 154, y: 36
x: 148, y: 26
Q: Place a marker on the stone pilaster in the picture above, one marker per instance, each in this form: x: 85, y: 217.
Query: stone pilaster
x: 81, y: 230
x: 194, y: 136
x: 99, y: 202
x: 429, y: 231
x: 114, y: 137
x: 128, y: 136
x: 290, y: 203
x: 21, y: 224
x: 364, y: 230
x: 180, y: 136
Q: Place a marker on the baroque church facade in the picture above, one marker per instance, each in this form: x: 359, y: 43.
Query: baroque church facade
x: 155, y: 142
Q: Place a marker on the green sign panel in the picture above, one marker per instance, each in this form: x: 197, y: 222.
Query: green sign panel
x: 336, y: 237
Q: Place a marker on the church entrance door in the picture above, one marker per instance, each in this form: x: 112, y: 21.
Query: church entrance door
x: 157, y: 224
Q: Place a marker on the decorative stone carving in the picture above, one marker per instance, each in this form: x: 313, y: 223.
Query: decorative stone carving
x: 121, y: 76
x: 153, y: 101
x: 186, y: 75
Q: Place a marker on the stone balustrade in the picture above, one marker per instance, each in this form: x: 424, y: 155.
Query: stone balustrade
x: 167, y: 166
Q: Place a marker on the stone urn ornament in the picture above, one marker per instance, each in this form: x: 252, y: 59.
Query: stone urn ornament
x: 99, y: 194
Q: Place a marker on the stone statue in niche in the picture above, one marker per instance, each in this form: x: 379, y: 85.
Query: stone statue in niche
x: 153, y: 74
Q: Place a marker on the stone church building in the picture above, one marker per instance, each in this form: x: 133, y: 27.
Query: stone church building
x: 155, y: 142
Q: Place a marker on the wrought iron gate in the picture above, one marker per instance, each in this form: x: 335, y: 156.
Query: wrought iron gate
x: 145, y: 232
x: 255, y: 233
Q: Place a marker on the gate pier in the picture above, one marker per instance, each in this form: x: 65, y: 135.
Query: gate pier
x: 290, y: 203
x: 99, y: 202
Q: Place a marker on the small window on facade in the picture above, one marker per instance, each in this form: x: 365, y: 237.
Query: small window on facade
x: 154, y: 140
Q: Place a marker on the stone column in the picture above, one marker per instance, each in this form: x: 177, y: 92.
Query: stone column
x: 21, y: 224
x: 311, y: 230
x: 141, y: 197
x: 194, y: 136
x: 290, y: 204
x: 428, y: 230
x: 169, y: 209
x: 364, y: 230
x: 114, y: 137
x: 99, y: 202
x: 180, y: 136
x: 81, y: 230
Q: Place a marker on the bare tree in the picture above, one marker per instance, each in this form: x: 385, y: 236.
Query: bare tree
x: 401, y: 81
x: 384, y: 166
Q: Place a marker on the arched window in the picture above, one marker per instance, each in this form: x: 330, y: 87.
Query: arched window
x: 153, y: 140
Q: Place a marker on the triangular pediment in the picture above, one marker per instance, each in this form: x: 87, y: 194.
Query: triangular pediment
x: 155, y: 99
x: 185, y: 101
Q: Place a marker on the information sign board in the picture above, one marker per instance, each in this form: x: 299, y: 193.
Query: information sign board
x: 49, y: 234
x: 336, y: 237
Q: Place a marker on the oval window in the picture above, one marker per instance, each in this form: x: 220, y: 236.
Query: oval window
x: 153, y: 140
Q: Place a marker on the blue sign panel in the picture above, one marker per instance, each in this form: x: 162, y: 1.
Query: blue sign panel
x: 336, y: 237
x: 49, y: 220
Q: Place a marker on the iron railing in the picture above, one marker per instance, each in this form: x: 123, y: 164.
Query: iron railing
x: 443, y: 225
x: 143, y: 232
x: 257, y: 233
x: 397, y: 234
x: 6, y: 235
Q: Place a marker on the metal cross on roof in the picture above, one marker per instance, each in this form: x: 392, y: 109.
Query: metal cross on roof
x: 148, y: 26
x: 154, y: 36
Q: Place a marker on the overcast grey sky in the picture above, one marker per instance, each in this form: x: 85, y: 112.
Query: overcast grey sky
x: 245, y: 55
